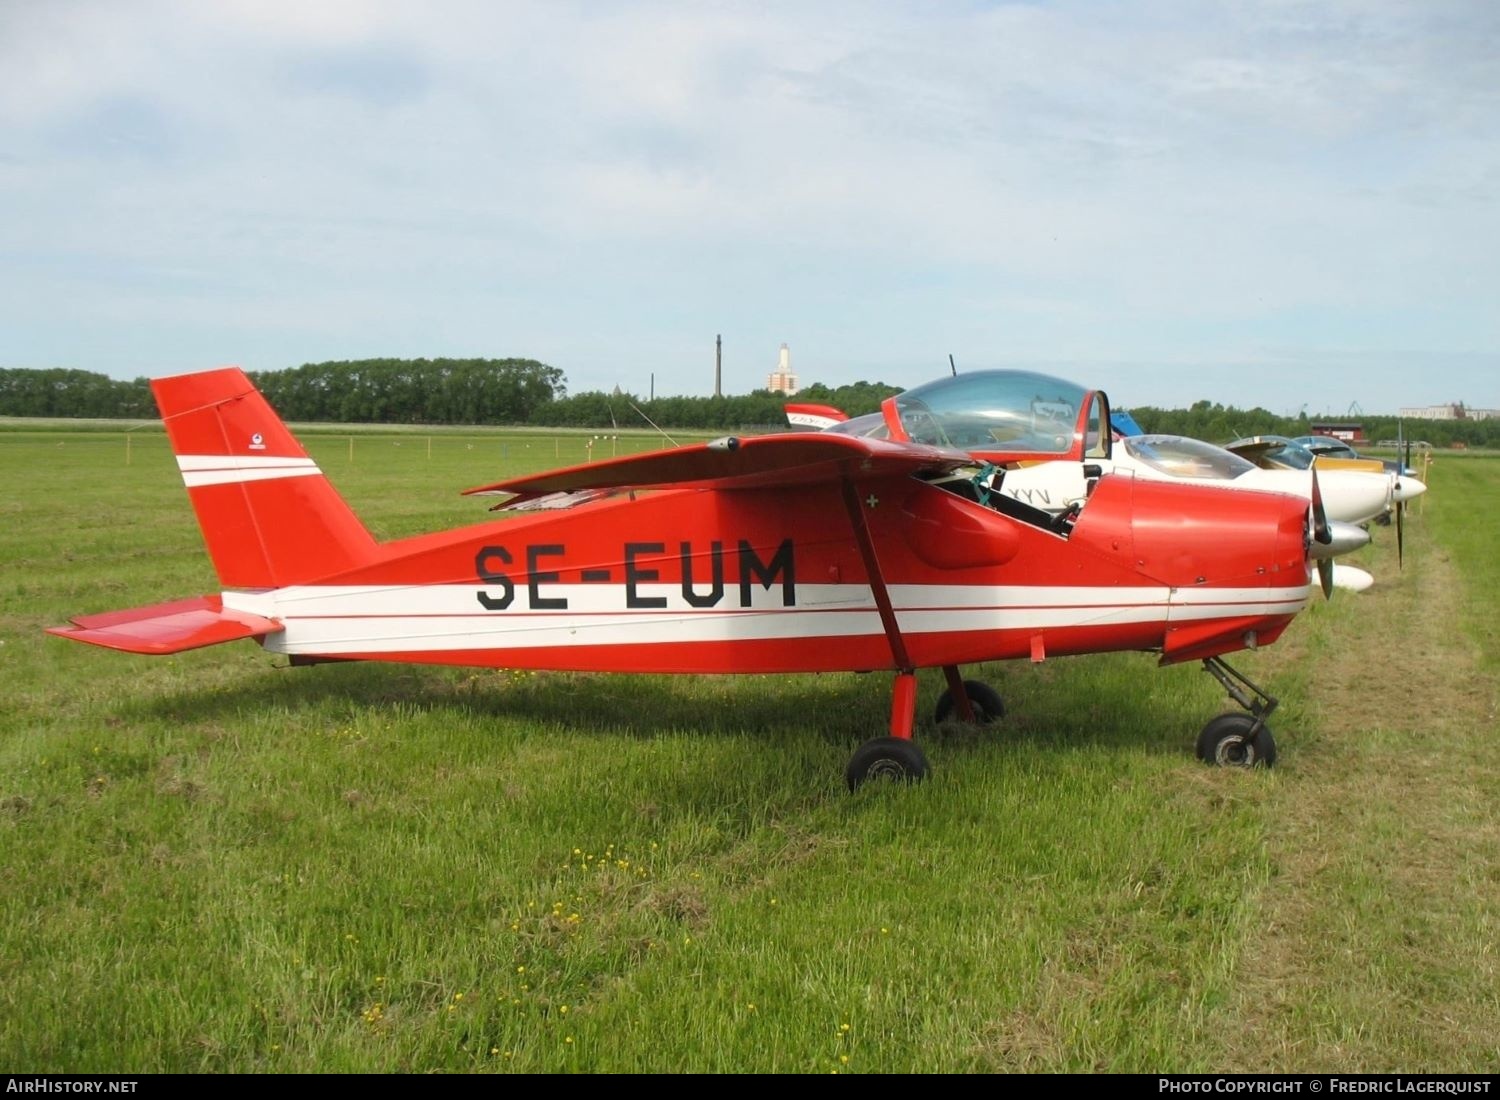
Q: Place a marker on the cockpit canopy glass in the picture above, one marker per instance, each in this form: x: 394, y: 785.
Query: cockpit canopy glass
x: 1279, y: 451
x: 1327, y: 445
x: 870, y: 425
x: 1004, y: 411
x: 1179, y: 457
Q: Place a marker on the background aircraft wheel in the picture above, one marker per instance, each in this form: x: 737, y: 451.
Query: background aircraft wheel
x: 892, y: 758
x: 1223, y: 742
x: 986, y: 701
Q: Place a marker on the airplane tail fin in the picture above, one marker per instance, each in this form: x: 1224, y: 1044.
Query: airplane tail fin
x: 269, y: 516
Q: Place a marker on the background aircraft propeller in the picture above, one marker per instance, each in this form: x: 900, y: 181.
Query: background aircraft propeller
x: 1322, y: 534
x: 1403, y: 458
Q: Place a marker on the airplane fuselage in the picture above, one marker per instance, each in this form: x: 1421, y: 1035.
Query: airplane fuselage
x: 762, y: 580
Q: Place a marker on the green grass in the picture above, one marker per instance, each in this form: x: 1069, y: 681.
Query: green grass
x: 212, y: 863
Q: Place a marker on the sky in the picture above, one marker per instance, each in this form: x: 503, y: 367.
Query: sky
x: 1256, y: 203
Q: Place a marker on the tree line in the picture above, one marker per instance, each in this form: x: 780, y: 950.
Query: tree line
x: 1219, y: 424
x: 524, y: 391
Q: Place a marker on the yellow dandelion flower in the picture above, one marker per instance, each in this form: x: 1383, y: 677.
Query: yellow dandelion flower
x: 563, y: 1009
x: 843, y: 1059
x: 569, y: 1039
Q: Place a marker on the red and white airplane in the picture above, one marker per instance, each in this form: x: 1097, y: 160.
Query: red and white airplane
x: 786, y: 553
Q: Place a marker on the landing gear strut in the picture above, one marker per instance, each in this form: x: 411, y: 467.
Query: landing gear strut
x: 898, y: 757
x: 1238, y: 740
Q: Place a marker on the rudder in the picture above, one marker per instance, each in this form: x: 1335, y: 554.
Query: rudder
x: 268, y: 515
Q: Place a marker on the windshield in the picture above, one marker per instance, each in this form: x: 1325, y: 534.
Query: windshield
x: 994, y: 411
x: 1326, y: 445
x: 1279, y: 451
x: 1180, y: 457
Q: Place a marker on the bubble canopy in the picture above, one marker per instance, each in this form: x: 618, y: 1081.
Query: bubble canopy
x: 1003, y: 416
x: 1179, y: 457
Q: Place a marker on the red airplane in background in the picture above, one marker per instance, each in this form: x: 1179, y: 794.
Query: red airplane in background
x: 803, y: 552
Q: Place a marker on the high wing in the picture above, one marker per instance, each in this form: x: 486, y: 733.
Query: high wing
x: 801, y: 458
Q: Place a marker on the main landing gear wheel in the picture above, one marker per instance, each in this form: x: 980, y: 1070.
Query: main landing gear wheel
x: 1227, y: 742
x: 896, y: 759
x: 984, y: 700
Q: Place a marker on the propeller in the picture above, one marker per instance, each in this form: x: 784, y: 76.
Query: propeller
x: 1403, y: 456
x: 1321, y: 531
x: 1323, y: 534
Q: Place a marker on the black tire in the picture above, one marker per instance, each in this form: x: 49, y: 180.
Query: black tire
x: 986, y: 701
x: 895, y: 759
x: 1223, y: 743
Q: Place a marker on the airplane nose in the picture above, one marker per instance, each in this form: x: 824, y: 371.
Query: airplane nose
x: 1343, y: 538
x: 1408, y: 488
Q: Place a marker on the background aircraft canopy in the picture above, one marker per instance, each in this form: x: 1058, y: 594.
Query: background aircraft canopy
x: 1327, y: 445
x: 1181, y: 457
x: 1003, y: 415
x: 1273, y: 451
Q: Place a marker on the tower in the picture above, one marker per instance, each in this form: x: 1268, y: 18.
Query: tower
x: 782, y: 379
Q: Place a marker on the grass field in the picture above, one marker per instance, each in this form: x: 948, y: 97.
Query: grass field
x: 213, y: 863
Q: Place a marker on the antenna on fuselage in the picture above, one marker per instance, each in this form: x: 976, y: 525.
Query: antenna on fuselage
x: 951, y: 365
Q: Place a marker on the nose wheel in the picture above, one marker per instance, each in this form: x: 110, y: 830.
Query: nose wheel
x: 1238, y: 740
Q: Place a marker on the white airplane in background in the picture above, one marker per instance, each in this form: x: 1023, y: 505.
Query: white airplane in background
x: 1276, y: 452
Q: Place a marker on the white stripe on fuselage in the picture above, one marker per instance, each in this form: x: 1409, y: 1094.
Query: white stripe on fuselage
x: 329, y: 619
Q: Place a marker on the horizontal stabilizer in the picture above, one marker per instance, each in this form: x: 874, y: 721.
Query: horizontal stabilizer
x: 168, y: 627
x: 774, y: 460
x: 816, y: 417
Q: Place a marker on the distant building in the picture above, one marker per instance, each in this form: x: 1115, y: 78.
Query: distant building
x: 1343, y: 429
x: 1455, y: 411
x: 782, y: 380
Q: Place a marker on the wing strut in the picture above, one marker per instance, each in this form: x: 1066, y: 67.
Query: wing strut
x: 904, y: 693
